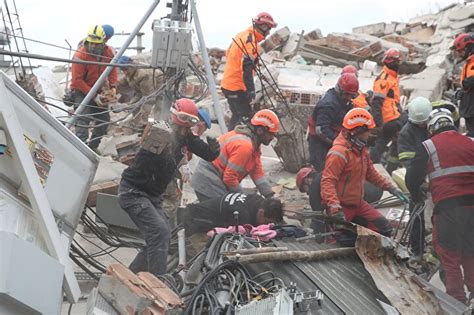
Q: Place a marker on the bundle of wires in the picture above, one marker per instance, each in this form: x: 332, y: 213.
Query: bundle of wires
x: 228, y: 285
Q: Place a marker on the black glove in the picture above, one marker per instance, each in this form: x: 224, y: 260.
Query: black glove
x: 458, y: 94
x: 398, y: 193
x: 214, y: 145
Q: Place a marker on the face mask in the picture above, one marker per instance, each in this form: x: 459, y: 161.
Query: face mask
x: 95, y: 50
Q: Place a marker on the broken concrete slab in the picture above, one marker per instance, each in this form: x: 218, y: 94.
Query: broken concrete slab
x: 313, y: 35
x: 291, y: 46
x: 108, y: 170
x: 429, y: 83
x: 276, y: 40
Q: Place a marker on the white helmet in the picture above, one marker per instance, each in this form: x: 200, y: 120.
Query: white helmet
x: 419, y: 110
x: 440, y: 117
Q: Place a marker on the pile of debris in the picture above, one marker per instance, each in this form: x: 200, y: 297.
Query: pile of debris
x: 305, y: 65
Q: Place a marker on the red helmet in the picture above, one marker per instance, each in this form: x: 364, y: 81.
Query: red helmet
x: 348, y: 83
x: 349, y: 69
x: 462, y: 40
x: 264, y: 18
x: 301, y: 175
x: 184, y: 112
x: 391, y: 55
x: 266, y: 118
x: 358, y: 117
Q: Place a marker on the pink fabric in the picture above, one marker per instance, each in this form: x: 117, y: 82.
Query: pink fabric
x: 262, y: 232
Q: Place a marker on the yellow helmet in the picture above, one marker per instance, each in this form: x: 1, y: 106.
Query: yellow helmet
x: 96, y: 35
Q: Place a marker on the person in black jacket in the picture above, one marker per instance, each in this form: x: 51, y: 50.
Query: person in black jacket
x: 219, y: 212
x: 327, y: 117
x: 410, y: 141
x: 164, y: 145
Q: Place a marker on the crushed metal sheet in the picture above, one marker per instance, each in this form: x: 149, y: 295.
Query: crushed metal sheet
x: 394, y: 279
x: 344, y: 281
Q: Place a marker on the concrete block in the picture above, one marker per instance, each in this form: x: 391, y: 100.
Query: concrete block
x: 108, y: 170
x: 313, y: 35
x: 376, y: 29
x: 290, y: 46
x: 276, y: 39
x: 461, y: 13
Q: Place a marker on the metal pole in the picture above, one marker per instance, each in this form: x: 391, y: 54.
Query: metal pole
x: 207, y: 65
x: 107, y: 71
x: 68, y: 67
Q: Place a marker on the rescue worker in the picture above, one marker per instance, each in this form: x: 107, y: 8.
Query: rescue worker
x: 109, y: 32
x: 448, y: 160
x: 241, y: 57
x: 309, y: 181
x: 144, y: 181
x: 347, y: 166
x: 219, y: 212
x: 449, y: 106
x: 362, y: 100
x: 143, y: 82
x: 326, y: 120
x: 240, y: 156
x: 414, y: 132
x: 386, y: 109
x: 84, y: 76
x: 464, y: 47
x: 410, y: 140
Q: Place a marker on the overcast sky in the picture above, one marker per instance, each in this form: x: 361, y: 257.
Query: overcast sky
x: 53, y: 21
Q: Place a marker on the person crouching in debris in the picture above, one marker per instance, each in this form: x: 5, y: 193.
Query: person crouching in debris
x: 326, y: 120
x: 348, y: 165
x: 308, y: 181
x: 448, y: 160
x: 242, y: 55
x: 240, y: 156
x: 143, y: 82
x: 164, y: 145
x: 253, y: 209
x: 83, y: 79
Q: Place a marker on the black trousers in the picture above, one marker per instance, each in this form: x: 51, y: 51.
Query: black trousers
x: 239, y: 105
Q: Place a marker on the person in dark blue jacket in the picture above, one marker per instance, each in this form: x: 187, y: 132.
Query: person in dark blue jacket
x: 163, y: 147
x: 327, y: 118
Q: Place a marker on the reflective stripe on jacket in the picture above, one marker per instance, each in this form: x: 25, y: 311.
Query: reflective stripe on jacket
x: 386, y: 86
x: 410, y: 141
x: 84, y: 76
x: 233, y: 79
x: 450, y: 166
x: 239, y: 157
x: 345, y: 172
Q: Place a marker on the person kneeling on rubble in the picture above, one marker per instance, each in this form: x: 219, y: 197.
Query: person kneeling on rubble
x: 448, y: 160
x: 143, y: 82
x: 347, y: 166
x: 253, y: 209
x: 240, y: 156
x: 164, y: 145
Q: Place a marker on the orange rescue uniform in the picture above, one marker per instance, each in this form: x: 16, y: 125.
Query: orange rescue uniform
x: 386, y: 86
x: 247, y: 40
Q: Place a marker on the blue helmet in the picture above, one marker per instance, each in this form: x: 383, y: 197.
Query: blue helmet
x: 108, y: 30
x: 204, y: 116
x: 124, y: 60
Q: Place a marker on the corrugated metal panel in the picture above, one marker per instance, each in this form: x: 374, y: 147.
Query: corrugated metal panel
x: 343, y: 280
